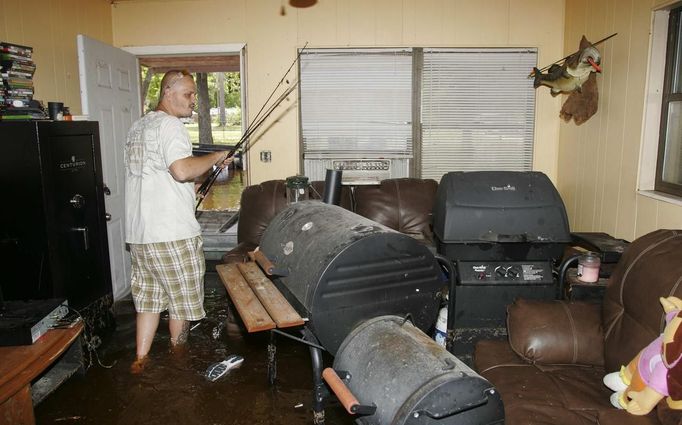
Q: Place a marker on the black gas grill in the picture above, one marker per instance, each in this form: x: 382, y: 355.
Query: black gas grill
x: 505, y: 231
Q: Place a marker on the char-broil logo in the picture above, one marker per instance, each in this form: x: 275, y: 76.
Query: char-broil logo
x: 507, y: 187
x: 72, y: 165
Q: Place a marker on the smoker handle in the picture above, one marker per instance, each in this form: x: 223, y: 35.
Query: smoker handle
x: 268, y: 267
x: 347, y: 399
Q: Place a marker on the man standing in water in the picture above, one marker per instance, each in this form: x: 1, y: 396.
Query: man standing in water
x: 161, y: 229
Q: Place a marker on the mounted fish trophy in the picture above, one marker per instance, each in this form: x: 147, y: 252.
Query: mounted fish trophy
x: 575, y: 75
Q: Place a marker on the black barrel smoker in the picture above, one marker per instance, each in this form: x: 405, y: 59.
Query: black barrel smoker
x: 505, y: 231
x: 412, y: 379
x: 342, y: 271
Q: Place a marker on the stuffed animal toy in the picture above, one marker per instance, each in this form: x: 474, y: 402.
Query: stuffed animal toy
x: 656, y: 372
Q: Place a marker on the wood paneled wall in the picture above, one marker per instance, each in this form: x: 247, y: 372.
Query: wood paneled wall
x: 50, y: 27
x: 599, y: 160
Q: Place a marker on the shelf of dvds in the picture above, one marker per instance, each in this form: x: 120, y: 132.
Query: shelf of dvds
x: 16, y: 92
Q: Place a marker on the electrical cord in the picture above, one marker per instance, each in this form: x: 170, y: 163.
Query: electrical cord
x: 92, y: 341
x: 562, y: 273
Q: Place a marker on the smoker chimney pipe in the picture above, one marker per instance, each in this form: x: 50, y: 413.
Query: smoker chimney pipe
x: 332, y: 187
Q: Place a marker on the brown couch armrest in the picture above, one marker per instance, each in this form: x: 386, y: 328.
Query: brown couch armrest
x: 258, y: 206
x: 551, y: 332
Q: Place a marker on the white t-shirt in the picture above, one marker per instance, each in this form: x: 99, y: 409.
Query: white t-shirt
x: 158, y: 208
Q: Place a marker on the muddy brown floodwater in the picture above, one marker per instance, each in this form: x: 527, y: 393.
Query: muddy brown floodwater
x: 173, y: 390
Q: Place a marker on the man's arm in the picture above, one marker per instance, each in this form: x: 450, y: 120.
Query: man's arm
x: 191, y: 167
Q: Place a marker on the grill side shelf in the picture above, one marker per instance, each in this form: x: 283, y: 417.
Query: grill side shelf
x: 272, y: 300
x: 259, y: 303
x: 250, y: 309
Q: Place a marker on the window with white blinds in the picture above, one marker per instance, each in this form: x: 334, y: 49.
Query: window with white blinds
x: 356, y: 101
x: 477, y: 110
x: 475, y: 107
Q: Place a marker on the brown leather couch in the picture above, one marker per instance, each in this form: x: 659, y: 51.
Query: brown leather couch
x: 551, y: 368
x: 402, y: 204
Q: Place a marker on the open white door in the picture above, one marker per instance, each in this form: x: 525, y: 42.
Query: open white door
x: 110, y: 94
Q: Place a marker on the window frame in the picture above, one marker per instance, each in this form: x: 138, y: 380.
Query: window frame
x: 672, y: 68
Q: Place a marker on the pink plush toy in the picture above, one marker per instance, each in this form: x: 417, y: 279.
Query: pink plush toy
x: 655, y: 372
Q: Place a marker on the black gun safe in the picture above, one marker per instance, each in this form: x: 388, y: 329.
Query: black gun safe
x: 53, y: 236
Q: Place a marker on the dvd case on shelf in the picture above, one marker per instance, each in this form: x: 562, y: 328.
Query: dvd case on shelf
x: 16, y: 94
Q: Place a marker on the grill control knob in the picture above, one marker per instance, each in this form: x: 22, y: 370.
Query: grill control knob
x: 513, y: 272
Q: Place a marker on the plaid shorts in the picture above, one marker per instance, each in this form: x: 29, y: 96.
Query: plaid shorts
x: 169, y: 275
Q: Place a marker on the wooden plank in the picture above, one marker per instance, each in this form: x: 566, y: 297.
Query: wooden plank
x: 251, y: 311
x: 274, y: 302
x: 19, y: 365
x: 18, y: 409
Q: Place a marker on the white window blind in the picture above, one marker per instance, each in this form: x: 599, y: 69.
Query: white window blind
x: 356, y: 101
x: 477, y: 111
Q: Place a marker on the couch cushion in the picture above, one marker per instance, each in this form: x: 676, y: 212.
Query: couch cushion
x: 492, y: 353
x: 402, y: 204
x: 549, y: 394
x: 649, y: 269
x: 556, y: 331
x: 525, y: 414
x: 621, y: 417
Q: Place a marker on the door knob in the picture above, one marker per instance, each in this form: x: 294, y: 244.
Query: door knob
x: 106, y: 190
x: 107, y: 216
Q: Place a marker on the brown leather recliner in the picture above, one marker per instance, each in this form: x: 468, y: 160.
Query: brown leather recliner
x: 403, y: 204
x: 550, y: 370
x: 259, y: 204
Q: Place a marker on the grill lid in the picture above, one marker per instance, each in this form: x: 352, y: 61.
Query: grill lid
x: 499, y: 207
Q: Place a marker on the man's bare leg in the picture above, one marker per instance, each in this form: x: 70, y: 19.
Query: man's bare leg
x: 147, y: 323
x: 179, y: 331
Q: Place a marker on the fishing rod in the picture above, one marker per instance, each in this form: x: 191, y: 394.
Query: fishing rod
x: 245, y: 137
x: 532, y: 74
x: 255, y: 124
x: 208, y: 183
